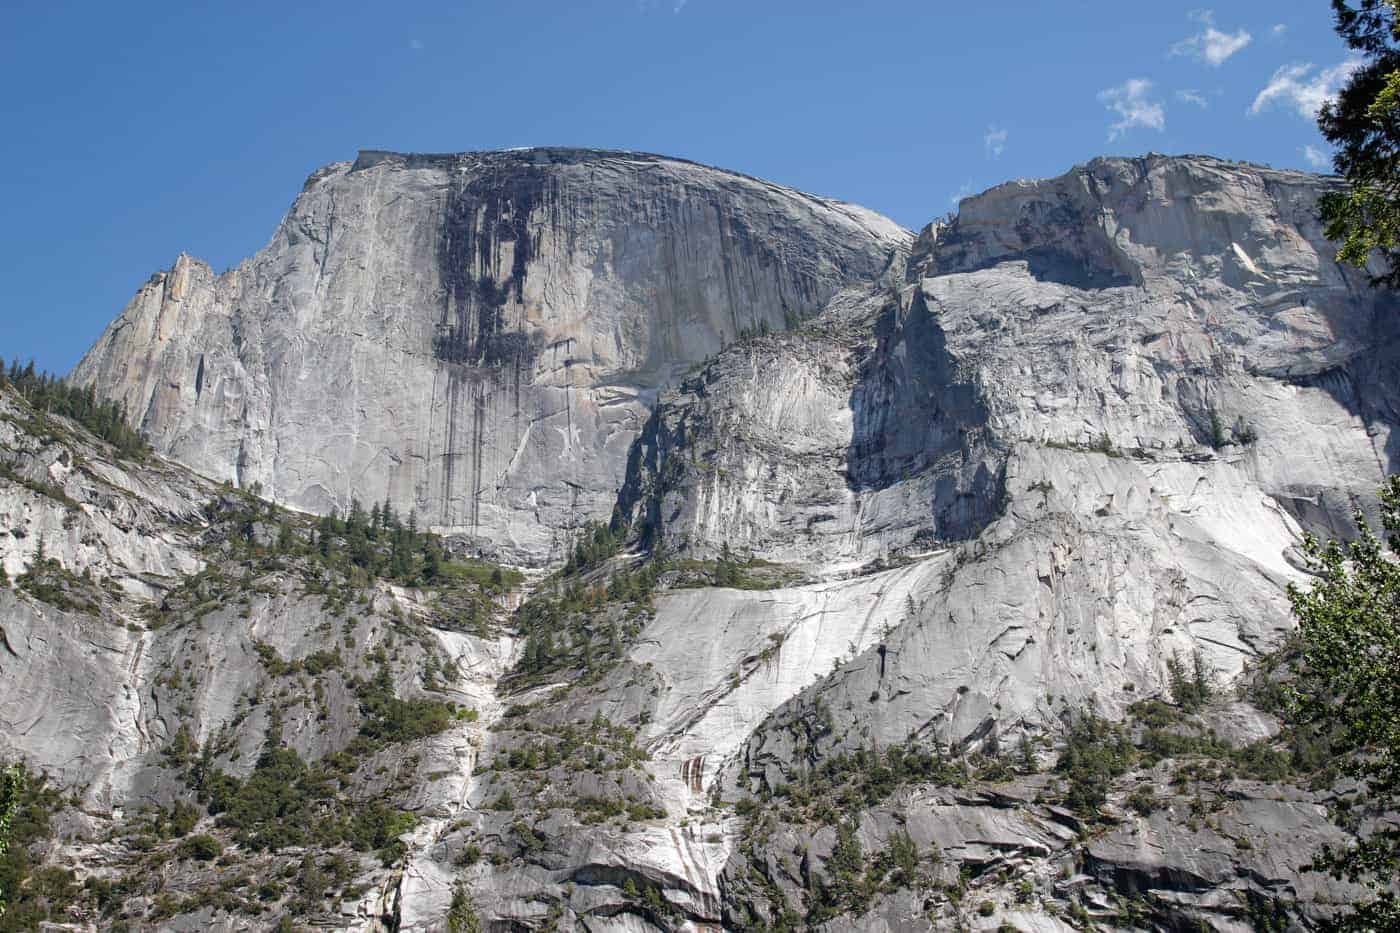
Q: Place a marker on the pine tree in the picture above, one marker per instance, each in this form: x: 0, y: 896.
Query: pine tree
x: 1364, y: 123
x: 1348, y: 687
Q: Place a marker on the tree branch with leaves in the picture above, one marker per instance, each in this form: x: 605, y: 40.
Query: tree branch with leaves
x: 11, y: 789
x: 1363, y: 122
x: 1348, y: 685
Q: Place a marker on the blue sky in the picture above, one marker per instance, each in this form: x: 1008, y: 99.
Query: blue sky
x: 133, y: 131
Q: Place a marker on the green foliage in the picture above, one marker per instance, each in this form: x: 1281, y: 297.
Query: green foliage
x: 726, y: 569
x: 286, y: 802
x: 1191, y: 686
x: 597, y: 542
x: 376, y: 827
x: 1363, y: 121
x: 851, y: 781
x: 461, y: 915
x: 390, y: 719
x: 48, y: 394
x: 1308, y: 746
x: 201, y: 848
x: 315, y: 663
x: 845, y: 888
x: 1096, y: 751
x: 11, y: 787
x: 1245, y: 433
x: 359, y: 548
x: 380, y: 545
x: 756, y: 330
x: 1218, y: 438
x: 1142, y: 801
x: 49, y: 581
x: 593, y: 810
x: 598, y: 745
x: 577, y: 628
x: 1348, y: 686
x: 729, y: 571
x: 901, y: 859
x: 29, y: 893
x: 279, y: 804
x: 488, y: 576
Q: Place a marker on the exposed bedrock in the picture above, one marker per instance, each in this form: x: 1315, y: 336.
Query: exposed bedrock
x: 478, y: 337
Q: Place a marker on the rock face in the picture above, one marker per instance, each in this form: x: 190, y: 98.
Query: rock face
x: 894, y: 516
x: 478, y: 337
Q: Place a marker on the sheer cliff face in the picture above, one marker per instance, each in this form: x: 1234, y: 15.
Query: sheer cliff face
x: 1093, y: 423
x: 1181, y: 309
x: 478, y: 337
x: 973, y: 484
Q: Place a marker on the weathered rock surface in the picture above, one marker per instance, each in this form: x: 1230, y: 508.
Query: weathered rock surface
x: 478, y: 337
x: 959, y: 491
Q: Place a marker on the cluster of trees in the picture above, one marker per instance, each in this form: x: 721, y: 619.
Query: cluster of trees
x: 461, y: 913
x: 727, y: 571
x: 47, y: 393
x: 853, y: 880
x: 578, y: 627
x: 389, y: 719
x: 12, y: 782
x: 598, y: 745
x: 1346, y: 686
x: 286, y: 802
x: 596, y: 543
x: 381, y: 544
x: 851, y: 781
x: 30, y: 893
x: 1095, y: 753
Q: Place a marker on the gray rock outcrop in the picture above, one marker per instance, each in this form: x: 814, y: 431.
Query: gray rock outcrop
x: 947, y: 494
x: 478, y: 337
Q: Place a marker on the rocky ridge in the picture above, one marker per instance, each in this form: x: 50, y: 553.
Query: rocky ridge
x: 476, y: 337
x: 881, y: 572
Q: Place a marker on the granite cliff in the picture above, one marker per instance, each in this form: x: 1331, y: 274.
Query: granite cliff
x: 478, y: 337
x: 864, y: 576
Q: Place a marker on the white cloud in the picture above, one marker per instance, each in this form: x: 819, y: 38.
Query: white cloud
x: 1298, y: 87
x: 1278, y: 30
x: 1316, y: 158
x: 1189, y: 96
x: 1129, y: 101
x: 1210, y: 45
x: 966, y: 191
x: 995, y: 142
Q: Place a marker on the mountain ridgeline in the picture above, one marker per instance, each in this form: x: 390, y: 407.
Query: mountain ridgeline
x: 735, y: 559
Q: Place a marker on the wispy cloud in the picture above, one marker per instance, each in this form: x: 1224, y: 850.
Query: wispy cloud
x: 1190, y: 96
x: 966, y: 191
x: 1278, y: 30
x: 1130, y: 102
x: 994, y: 141
x: 680, y: 5
x: 1297, y: 86
x: 415, y: 44
x: 1210, y: 45
x: 1316, y: 158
